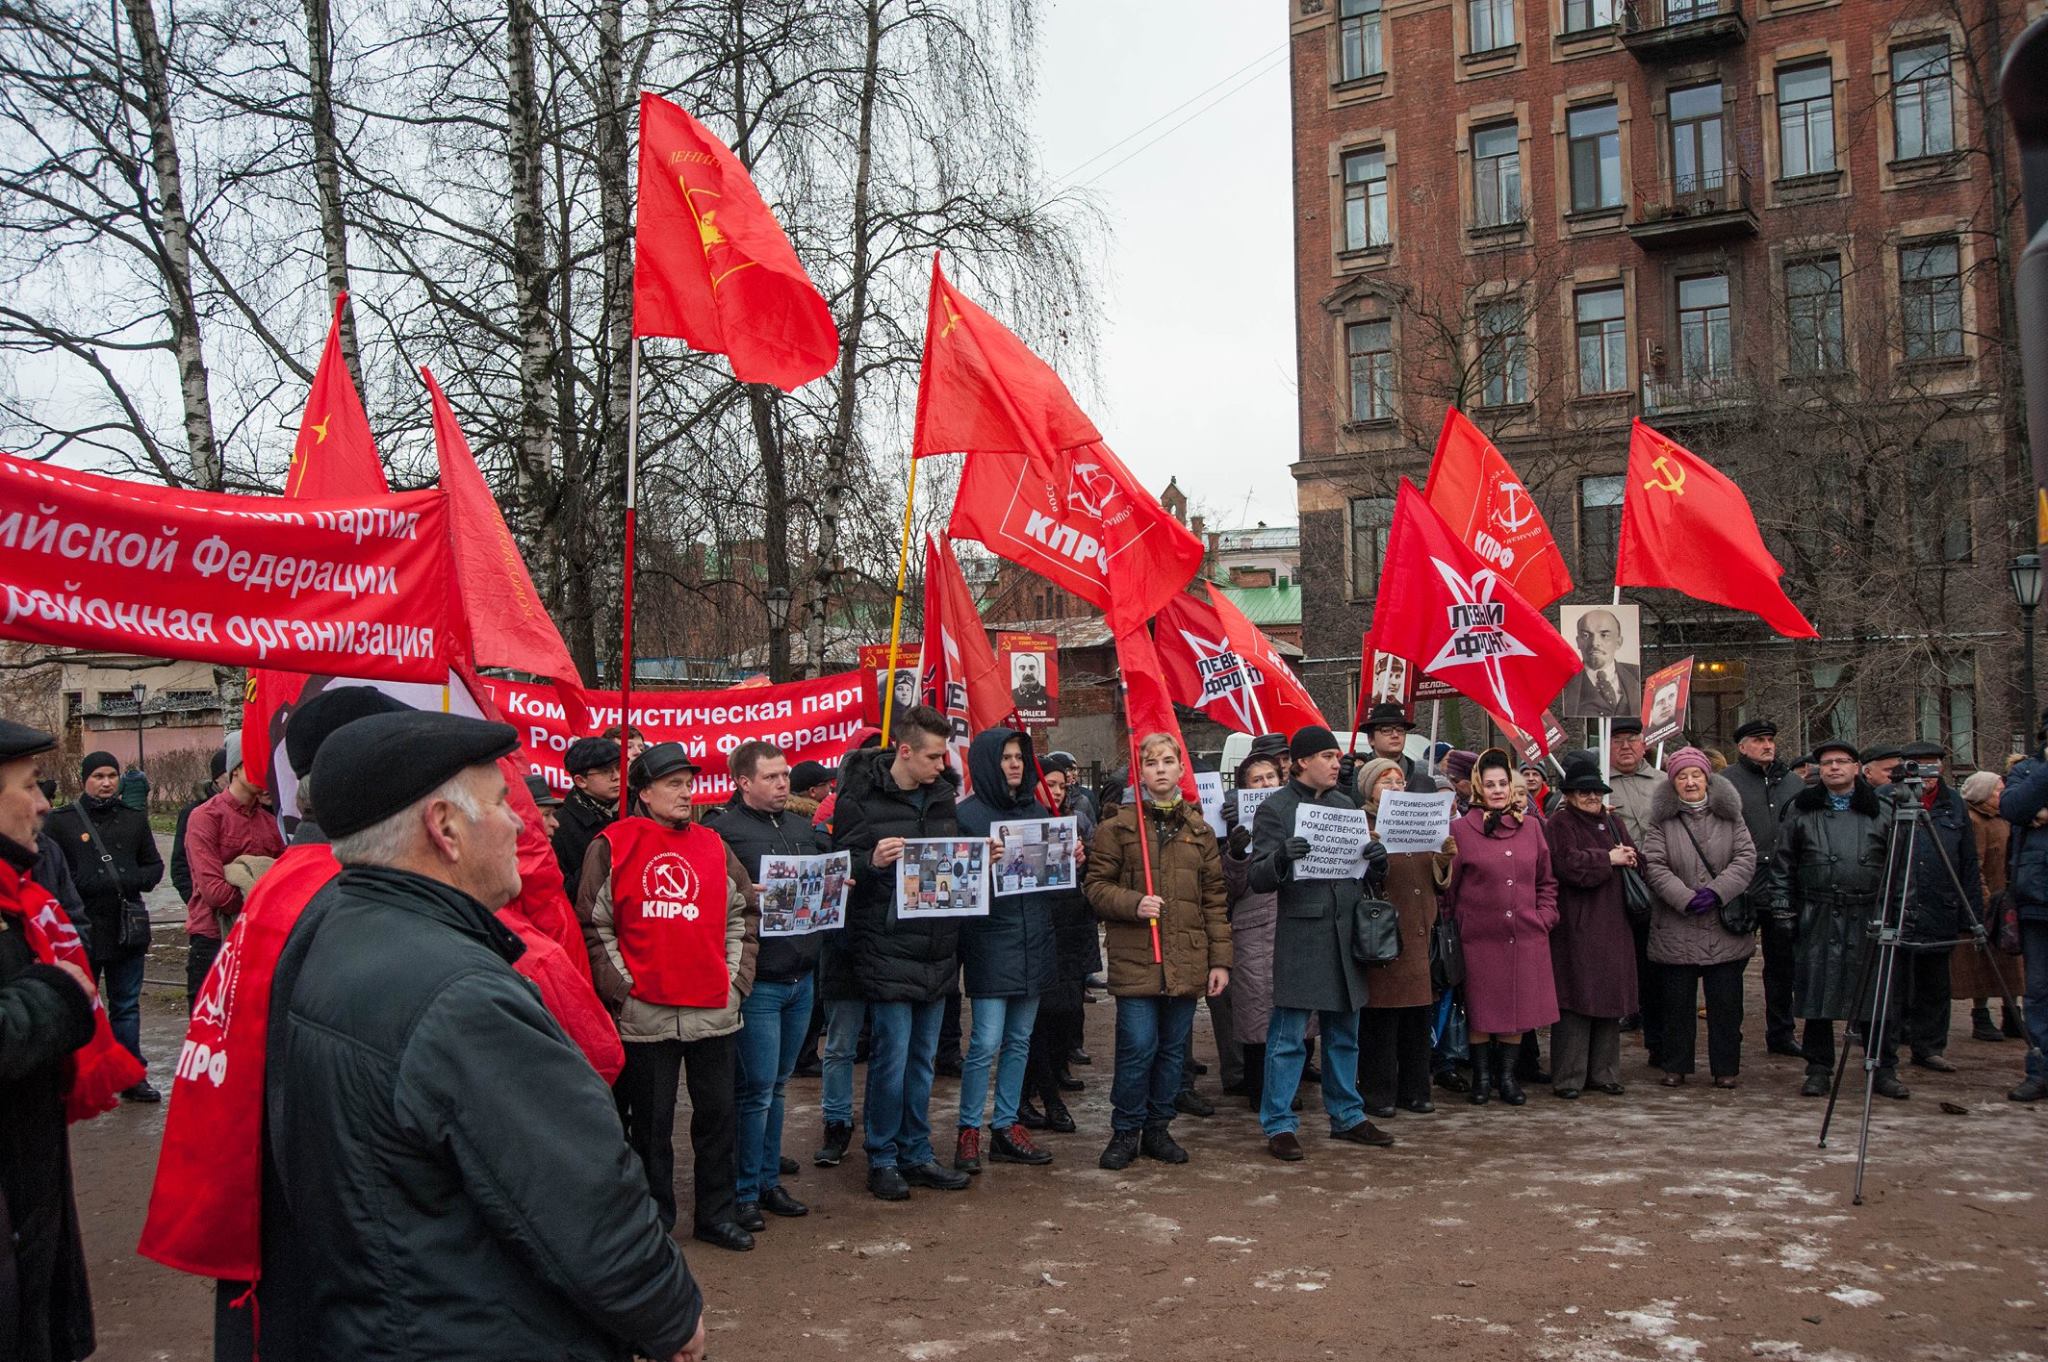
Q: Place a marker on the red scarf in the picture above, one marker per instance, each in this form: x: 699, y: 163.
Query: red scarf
x: 100, y: 1069
x: 668, y: 906
x: 205, y: 1212
x: 566, y: 993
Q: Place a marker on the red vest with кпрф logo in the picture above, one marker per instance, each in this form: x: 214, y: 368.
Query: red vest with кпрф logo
x: 668, y: 910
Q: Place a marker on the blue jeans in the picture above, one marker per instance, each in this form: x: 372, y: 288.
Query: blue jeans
x: 1003, y: 1023
x: 121, y: 987
x: 773, y: 1019
x: 1286, y: 1051
x: 843, y: 1021
x: 896, y: 1117
x: 2034, y: 950
x: 1151, y: 1048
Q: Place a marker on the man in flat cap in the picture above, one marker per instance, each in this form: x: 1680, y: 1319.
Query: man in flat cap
x: 310, y: 726
x: 113, y: 860
x: 592, y: 805
x: 1829, y: 872
x: 443, y: 1173
x: 673, y: 938
x: 1766, y: 787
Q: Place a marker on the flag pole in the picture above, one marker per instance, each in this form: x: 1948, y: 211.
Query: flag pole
x: 1144, y: 845
x: 1436, y: 711
x: 1358, y: 701
x: 896, y: 619
x: 626, y: 610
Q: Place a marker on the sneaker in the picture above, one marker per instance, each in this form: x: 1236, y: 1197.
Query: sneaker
x: 2030, y: 1090
x: 1014, y: 1146
x: 1158, y: 1143
x: 967, y: 1150
x: 141, y: 1092
x: 838, y: 1135
x: 888, y: 1184
x: 1122, y: 1148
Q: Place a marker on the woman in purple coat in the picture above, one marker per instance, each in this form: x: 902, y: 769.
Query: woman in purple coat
x: 1593, y: 950
x: 1504, y: 896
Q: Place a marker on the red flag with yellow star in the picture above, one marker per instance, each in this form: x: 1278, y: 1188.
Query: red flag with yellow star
x: 335, y: 455
x: 712, y: 265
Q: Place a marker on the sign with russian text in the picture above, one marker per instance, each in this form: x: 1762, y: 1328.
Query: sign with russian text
x: 1031, y: 664
x: 907, y: 679
x: 359, y: 587
x: 1415, y: 822
x: 1666, y: 697
x: 1336, y: 842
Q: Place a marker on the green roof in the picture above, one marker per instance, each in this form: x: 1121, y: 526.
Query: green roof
x: 1266, y: 606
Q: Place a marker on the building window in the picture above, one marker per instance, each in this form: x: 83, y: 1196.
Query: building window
x: 1938, y: 504
x: 1947, y: 709
x: 1493, y: 24
x: 1365, y: 199
x: 1593, y: 133
x: 1813, y: 321
x: 1358, y: 40
x: 1497, y: 175
x: 1369, y: 347
x: 1371, y: 518
x: 1931, y: 296
x: 1921, y: 110
x: 1704, y: 348
x: 1599, y: 526
x: 1697, y: 164
x: 1603, y: 340
x: 1806, y: 120
x: 1503, y: 355
x: 1583, y: 15
x: 1834, y: 704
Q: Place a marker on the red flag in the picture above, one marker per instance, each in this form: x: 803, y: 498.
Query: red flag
x: 1148, y: 708
x: 1217, y: 662
x: 1687, y: 526
x: 961, y: 677
x: 508, y: 625
x: 1456, y: 619
x: 711, y: 263
x: 334, y: 455
x: 982, y: 391
x: 1477, y: 492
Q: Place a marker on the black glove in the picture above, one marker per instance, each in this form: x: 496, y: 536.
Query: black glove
x: 1240, y: 839
x: 1292, y: 850
x: 1347, y: 772
x: 1375, y: 854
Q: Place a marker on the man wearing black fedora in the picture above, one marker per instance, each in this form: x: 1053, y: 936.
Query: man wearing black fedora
x: 1387, y: 727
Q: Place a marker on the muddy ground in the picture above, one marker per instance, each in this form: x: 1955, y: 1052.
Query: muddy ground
x: 1658, y: 1225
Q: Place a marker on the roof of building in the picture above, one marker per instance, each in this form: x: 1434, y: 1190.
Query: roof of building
x: 1260, y: 538
x: 1268, y: 607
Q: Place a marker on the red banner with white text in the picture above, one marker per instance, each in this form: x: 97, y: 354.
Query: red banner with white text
x: 809, y: 720
x: 359, y: 587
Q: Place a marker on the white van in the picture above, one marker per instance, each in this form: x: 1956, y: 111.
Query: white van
x: 1238, y: 746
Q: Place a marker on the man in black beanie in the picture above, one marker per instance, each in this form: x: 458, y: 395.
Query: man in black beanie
x: 440, y: 1162
x: 592, y: 806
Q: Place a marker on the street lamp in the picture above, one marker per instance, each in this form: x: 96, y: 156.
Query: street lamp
x: 2025, y: 574
x: 778, y: 609
x: 139, y: 691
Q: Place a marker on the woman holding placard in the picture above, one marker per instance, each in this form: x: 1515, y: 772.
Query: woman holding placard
x: 1155, y: 997
x: 1393, y: 1028
x: 1504, y: 895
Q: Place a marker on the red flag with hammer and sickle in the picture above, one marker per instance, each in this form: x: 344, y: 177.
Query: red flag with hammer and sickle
x: 1474, y: 488
x: 712, y: 265
x: 1686, y: 526
x: 334, y: 456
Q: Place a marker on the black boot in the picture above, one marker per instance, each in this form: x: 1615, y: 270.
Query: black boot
x: 2013, y: 1029
x: 1504, y: 1076
x: 1157, y: 1142
x: 1057, y: 1117
x: 1123, y: 1147
x: 1981, y: 1027
x: 1482, y: 1073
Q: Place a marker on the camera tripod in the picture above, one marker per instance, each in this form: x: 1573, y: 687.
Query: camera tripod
x: 1887, y: 931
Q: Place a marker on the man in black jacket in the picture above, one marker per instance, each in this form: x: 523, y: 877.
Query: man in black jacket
x: 1936, y: 916
x: 114, y: 861
x: 757, y: 826
x: 593, y: 767
x: 1766, y: 787
x: 902, y: 966
x: 444, y: 1173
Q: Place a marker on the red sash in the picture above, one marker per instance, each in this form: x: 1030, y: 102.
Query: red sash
x: 205, y: 1212
x: 668, y: 908
x: 100, y: 1069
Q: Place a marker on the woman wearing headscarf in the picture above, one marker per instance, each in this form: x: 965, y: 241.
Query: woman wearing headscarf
x: 1253, y: 917
x: 1393, y: 1027
x: 1593, y: 950
x: 1970, y: 973
x: 1698, y: 857
x: 1504, y: 896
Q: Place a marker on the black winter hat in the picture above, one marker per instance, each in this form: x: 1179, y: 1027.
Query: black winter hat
x: 387, y: 762
x: 94, y: 761
x: 1310, y: 739
x: 808, y: 774
x: 1756, y: 728
x: 313, y: 722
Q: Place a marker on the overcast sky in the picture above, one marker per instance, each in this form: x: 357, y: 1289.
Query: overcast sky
x: 1197, y: 362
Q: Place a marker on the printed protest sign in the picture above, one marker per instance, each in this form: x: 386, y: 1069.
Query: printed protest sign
x: 1415, y: 822
x: 1248, y: 802
x: 1031, y: 662
x: 803, y: 894
x: 942, y: 877
x: 1037, y: 854
x: 1335, y: 838
x: 905, y: 680
x: 1666, y: 697
x: 1210, y: 786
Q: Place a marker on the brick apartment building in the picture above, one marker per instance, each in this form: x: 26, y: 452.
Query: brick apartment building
x: 1780, y: 232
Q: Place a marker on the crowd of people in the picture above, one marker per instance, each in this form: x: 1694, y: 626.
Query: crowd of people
x: 468, y: 1042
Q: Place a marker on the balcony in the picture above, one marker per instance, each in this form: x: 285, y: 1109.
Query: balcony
x: 1714, y: 390
x: 1661, y: 30
x: 1713, y: 206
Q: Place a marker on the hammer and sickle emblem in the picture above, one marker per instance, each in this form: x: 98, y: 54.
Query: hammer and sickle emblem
x: 952, y: 317
x: 1673, y: 476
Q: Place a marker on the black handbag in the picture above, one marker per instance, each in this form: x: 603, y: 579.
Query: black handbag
x: 1376, y: 933
x: 1446, y: 954
x: 1736, y: 915
x: 1636, y: 898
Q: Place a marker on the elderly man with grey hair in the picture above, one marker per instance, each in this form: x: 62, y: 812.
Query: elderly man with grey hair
x: 444, y: 1173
